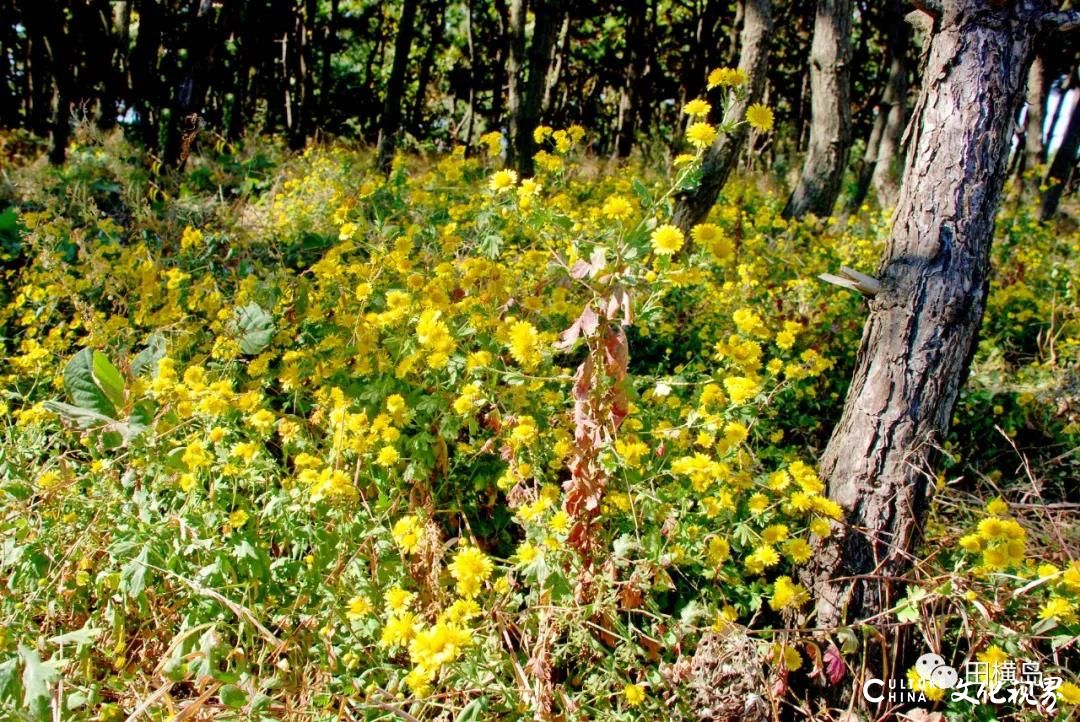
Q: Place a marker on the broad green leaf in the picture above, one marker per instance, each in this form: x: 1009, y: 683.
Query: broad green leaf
x: 255, y: 328
x: 82, y: 388
x: 133, y: 575
x: 232, y: 696
x: 80, y: 637
x: 36, y: 678
x: 85, y: 418
x: 9, y: 679
x: 108, y: 379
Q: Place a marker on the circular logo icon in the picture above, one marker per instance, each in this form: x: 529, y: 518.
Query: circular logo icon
x: 933, y: 669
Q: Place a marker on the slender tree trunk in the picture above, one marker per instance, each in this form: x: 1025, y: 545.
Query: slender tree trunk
x: 145, y: 73
x: 1057, y: 175
x: 471, y: 109
x: 547, y: 16
x: 869, y: 160
x: 515, y: 63
x: 1038, y: 90
x: 559, y: 50
x: 830, y: 128
x: 920, y: 336
x: 886, y: 173
x: 390, y: 119
x: 190, y: 93
x: 720, y: 159
x: 634, y: 62
x: 435, y: 12
x: 330, y: 45
x: 9, y: 109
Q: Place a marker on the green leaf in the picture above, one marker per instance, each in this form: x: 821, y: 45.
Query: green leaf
x: 232, y: 696
x: 85, y: 418
x: 471, y: 712
x: 80, y: 637
x: 147, y: 359
x: 9, y: 677
x: 642, y: 192
x: 81, y: 386
x: 908, y: 610
x: 108, y: 379
x: 255, y: 328
x: 36, y: 678
x: 133, y: 575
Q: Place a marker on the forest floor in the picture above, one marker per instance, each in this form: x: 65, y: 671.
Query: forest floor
x: 281, y: 438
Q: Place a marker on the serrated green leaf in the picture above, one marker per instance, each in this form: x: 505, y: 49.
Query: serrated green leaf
x: 82, y: 388
x: 36, y: 678
x: 108, y: 379
x: 80, y: 637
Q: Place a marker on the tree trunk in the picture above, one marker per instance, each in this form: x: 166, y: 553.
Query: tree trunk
x: 435, y: 13
x: 1057, y: 175
x: 559, y: 49
x: 390, y: 119
x: 145, y: 75
x: 1037, y: 93
x: 9, y: 109
x: 547, y: 16
x: 869, y: 160
x: 515, y: 62
x: 330, y: 43
x: 920, y: 336
x: 886, y: 173
x: 692, y: 207
x: 634, y: 61
x: 830, y: 112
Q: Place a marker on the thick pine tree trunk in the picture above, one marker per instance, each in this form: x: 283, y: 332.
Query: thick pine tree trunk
x: 390, y: 119
x: 921, y: 333
x: 830, y: 112
x: 720, y: 159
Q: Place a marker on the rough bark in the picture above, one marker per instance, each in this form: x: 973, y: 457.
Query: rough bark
x: 830, y: 112
x: 1057, y: 175
x: 692, y: 207
x: 921, y: 332
x: 390, y: 119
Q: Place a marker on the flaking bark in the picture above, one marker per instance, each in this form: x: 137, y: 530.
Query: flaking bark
x: 919, y: 338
